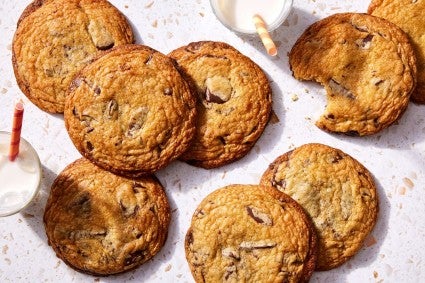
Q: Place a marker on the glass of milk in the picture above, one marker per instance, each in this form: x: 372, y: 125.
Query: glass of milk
x: 19, y: 179
x: 237, y: 14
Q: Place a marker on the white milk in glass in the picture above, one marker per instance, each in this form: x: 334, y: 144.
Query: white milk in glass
x: 237, y: 14
x: 19, y: 179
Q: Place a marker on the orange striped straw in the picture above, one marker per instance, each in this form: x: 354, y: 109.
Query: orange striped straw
x: 15, y: 139
x: 268, y: 43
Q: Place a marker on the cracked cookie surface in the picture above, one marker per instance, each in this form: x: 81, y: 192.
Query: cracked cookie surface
x: 234, y: 102
x: 337, y: 192
x: 250, y: 233
x: 130, y: 111
x: 409, y: 15
x: 55, y: 39
x: 100, y: 223
x: 367, y: 66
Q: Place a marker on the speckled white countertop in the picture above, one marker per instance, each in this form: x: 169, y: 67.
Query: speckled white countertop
x: 395, y: 252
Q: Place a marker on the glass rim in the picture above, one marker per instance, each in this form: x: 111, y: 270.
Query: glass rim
x: 284, y: 13
x: 37, y: 189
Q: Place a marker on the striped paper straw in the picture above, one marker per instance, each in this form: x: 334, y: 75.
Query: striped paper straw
x: 15, y: 138
x: 268, y: 43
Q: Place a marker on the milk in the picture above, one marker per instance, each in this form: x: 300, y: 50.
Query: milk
x: 20, y: 179
x: 237, y: 14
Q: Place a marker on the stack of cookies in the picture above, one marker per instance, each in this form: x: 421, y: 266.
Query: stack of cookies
x: 313, y: 210
x: 130, y: 111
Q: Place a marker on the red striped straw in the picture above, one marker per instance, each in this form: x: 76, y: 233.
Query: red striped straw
x: 15, y: 138
x: 265, y: 37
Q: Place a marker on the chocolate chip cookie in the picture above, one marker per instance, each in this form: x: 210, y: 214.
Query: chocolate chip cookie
x: 250, y: 233
x: 234, y: 102
x: 130, y: 111
x: 337, y: 192
x: 409, y: 15
x: 100, y: 223
x: 367, y: 66
x: 55, y: 39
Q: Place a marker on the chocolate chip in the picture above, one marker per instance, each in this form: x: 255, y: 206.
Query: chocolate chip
x: 149, y: 59
x: 336, y: 158
x: 111, y: 111
x: 252, y: 245
x: 231, y: 253
x: 360, y: 28
x: 137, y: 121
x: 168, y: 91
x: 89, y: 146
x: 82, y: 204
x: 97, y: 90
x: 365, y: 43
x: 211, y: 97
x: 189, y: 238
x: 222, y: 140
x: 74, y: 111
x: 337, y: 88
x: 137, y: 187
x: 279, y: 183
x: 134, y: 257
x: 258, y: 216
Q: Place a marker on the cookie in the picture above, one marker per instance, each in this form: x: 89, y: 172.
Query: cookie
x: 54, y: 39
x: 130, y: 111
x: 337, y: 192
x: 250, y: 233
x: 100, y: 223
x: 409, y: 15
x: 366, y: 65
x: 234, y: 102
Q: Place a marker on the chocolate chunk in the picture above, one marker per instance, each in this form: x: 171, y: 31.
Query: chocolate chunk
x: 134, y: 257
x: 337, y: 88
x: 258, y: 216
x: 211, y: 97
x: 253, y: 245
x: 168, y: 91
x: 111, y: 111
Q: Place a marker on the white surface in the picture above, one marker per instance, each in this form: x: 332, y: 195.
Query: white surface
x: 19, y: 179
x: 394, y: 252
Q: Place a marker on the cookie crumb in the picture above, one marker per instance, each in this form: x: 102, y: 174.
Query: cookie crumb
x: 155, y: 24
x: 28, y: 215
x: 147, y: 6
x: 201, y: 14
x: 294, y: 97
x: 402, y: 191
x: 5, y: 249
x: 168, y: 268
x: 3, y: 90
x: 375, y: 274
x: 408, y: 182
x: 126, y: 6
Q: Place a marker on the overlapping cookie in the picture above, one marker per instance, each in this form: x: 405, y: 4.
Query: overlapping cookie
x: 55, y: 39
x: 367, y: 66
x: 102, y: 224
x: 409, y: 15
x: 337, y: 192
x: 234, y: 102
x: 250, y: 233
x: 130, y: 111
